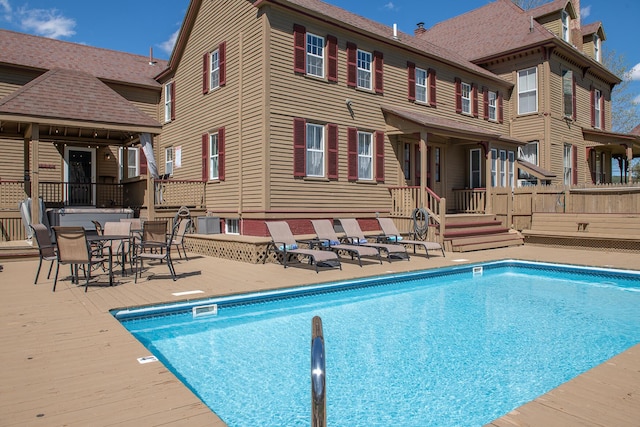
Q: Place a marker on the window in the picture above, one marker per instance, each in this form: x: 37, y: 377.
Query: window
x: 565, y: 27
x: 169, y: 104
x: 466, y: 98
x: 168, y: 161
x: 527, y: 91
x: 214, y: 157
x: 315, y: 55
x: 494, y: 167
x: 214, y: 73
x: 421, y: 85
x: 492, y: 106
x: 407, y: 161
x: 232, y: 226
x: 568, y: 92
x: 567, y: 162
x: 596, y: 48
x: 133, y: 165
x: 315, y: 150
x: 365, y: 156
x: 214, y: 69
x: 364, y: 69
x: 475, y: 176
x: 529, y: 153
x: 597, y: 110
x: 437, y: 165
x: 511, y: 177
x: 503, y: 168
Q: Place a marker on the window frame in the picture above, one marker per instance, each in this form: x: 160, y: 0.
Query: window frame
x: 566, y: 34
x: 310, y: 55
x: 311, y: 131
x: 475, y: 173
x: 597, y: 108
x: 597, y: 52
x: 567, y: 163
x: 136, y: 162
x: 511, y: 158
x: 365, y: 138
x: 528, y: 91
x: 492, y: 106
x: 362, y: 73
x: 236, y: 227
x: 494, y: 167
x: 214, y: 69
x: 168, y: 101
x: 422, y: 85
x: 214, y: 156
x: 466, y: 99
x: 168, y: 160
x: 568, y: 94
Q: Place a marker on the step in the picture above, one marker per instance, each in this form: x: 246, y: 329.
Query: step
x: 504, y: 237
x: 488, y: 245
x: 474, y: 224
x: 475, y: 231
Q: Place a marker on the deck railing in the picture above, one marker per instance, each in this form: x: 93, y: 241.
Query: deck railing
x: 470, y: 201
x: 175, y: 193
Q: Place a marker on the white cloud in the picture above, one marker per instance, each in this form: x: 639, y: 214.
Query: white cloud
x: 636, y: 100
x: 46, y: 22
x: 390, y: 6
x: 634, y: 73
x: 168, y: 45
x: 585, y: 12
x: 5, y: 9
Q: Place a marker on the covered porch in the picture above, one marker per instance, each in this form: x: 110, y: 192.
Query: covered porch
x: 610, y: 148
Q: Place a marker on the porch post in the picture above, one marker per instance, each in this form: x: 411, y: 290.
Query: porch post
x: 627, y: 171
x: 150, y: 196
x: 423, y: 168
x: 488, y: 204
x: 33, y: 134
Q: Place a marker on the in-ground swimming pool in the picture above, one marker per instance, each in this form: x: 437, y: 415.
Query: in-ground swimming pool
x: 445, y: 347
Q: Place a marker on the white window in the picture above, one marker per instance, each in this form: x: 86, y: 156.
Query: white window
x: 475, y: 168
x: 232, y: 226
x: 567, y: 91
x: 565, y: 27
x: 365, y: 155
x: 421, y: 85
x: 492, y: 106
x: 168, y: 101
x: 529, y: 153
x: 527, y: 91
x: 596, y: 48
x: 315, y: 55
x: 168, y: 161
x: 214, y: 156
x: 503, y: 168
x: 133, y: 162
x: 315, y: 150
x: 511, y: 171
x: 567, y: 161
x: 214, y: 67
x: 494, y: 167
x: 597, y: 99
x: 466, y: 98
x: 364, y: 69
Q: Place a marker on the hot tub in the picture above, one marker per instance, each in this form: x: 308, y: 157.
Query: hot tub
x: 83, y: 216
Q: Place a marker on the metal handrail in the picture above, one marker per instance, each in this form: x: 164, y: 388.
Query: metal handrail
x: 318, y: 391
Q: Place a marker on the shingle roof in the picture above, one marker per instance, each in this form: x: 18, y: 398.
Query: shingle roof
x: 42, y: 53
x: 551, y: 7
x: 635, y: 130
x: 74, y: 95
x: 592, y: 29
x: 474, y: 37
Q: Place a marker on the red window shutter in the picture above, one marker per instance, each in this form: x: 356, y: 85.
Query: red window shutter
x: 352, y: 154
x: 458, y: 95
x: 299, y: 147
x: 378, y: 65
x: 205, y: 73
x: 144, y: 169
x: 432, y: 87
x: 333, y: 151
x: 411, y: 81
x: 221, y: 156
x: 332, y: 55
x: 485, y: 103
x: 222, y: 62
x: 593, y: 107
x: 205, y: 157
x: 500, y: 112
x: 379, y: 136
x: 172, y: 91
x: 474, y: 98
x: 573, y: 98
x: 352, y: 50
x: 574, y: 165
x: 299, y: 49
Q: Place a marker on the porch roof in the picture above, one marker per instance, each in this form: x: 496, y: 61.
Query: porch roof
x: 617, y: 142
x: 71, y: 98
x: 441, y: 126
x: 535, y: 170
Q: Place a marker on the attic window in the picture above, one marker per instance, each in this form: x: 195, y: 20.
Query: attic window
x: 565, y: 27
x: 596, y: 48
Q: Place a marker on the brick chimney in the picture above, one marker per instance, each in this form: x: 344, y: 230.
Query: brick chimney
x: 576, y: 33
x: 420, y: 29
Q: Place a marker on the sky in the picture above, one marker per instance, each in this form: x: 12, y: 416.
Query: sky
x: 136, y: 26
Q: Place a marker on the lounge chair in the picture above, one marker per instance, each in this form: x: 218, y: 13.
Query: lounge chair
x: 356, y: 236
x: 285, y: 244
x: 391, y: 234
x: 328, y: 238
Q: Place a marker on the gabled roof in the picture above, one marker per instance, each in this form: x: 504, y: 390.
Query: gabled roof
x: 593, y: 28
x: 635, y: 130
x: 76, y: 96
x: 553, y: 7
x: 40, y: 53
x: 474, y: 37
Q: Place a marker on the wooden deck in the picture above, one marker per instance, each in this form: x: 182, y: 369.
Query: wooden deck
x: 67, y: 361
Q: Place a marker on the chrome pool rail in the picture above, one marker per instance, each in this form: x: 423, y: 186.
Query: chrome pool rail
x: 318, y: 391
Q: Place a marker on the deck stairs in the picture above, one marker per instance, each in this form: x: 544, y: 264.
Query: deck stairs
x: 464, y: 233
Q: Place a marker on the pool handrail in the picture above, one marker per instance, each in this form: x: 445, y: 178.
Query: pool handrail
x: 318, y: 392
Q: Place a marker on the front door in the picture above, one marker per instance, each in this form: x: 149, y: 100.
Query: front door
x: 79, y: 175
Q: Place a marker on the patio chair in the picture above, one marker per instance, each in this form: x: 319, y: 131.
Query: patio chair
x: 121, y: 249
x: 155, y: 245
x: 183, y: 225
x: 98, y: 226
x: 355, y: 236
x: 327, y: 237
x: 390, y: 233
x: 46, y: 248
x: 285, y: 244
x: 73, y: 249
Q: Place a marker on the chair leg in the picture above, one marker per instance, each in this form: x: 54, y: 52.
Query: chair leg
x: 185, y: 252
x: 50, y: 268
x: 55, y: 281
x: 171, y: 269
x: 38, y: 271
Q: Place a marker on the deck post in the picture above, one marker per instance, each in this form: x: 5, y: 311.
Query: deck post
x: 423, y: 168
x: 33, y: 134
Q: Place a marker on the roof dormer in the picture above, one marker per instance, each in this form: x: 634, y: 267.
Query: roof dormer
x: 592, y: 37
x: 560, y: 17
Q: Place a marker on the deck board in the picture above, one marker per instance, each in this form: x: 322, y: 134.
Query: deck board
x: 67, y: 361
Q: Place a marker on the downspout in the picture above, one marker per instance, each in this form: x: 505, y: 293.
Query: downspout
x: 240, y: 128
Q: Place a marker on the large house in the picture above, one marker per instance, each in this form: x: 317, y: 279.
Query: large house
x: 297, y: 109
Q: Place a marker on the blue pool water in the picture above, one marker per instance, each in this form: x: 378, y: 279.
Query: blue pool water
x: 439, y: 348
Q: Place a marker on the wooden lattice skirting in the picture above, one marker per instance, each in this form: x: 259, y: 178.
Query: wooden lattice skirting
x: 585, y: 243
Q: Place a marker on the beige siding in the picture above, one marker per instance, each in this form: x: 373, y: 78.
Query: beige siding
x: 12, y: 160
x: 552, y: 23
x: 146, y: 100
x: 12, y: 79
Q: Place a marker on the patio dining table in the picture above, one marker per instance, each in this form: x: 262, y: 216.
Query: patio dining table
x: 97, y: 238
